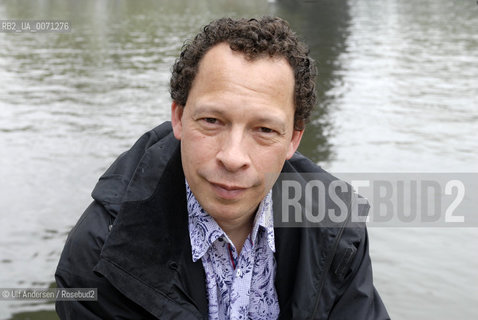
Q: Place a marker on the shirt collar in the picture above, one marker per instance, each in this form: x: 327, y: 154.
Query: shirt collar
x: 204, y: 230
x: 264, y: 219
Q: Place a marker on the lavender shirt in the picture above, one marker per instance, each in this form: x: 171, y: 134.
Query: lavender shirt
x: 238, y: 286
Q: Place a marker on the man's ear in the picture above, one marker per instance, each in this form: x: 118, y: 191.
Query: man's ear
x: 176, y: 119
x: 294, y: 142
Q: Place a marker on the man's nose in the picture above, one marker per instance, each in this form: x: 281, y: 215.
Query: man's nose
x: 234, y: 154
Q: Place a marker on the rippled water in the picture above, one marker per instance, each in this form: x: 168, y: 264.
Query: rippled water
x: 398, y: 92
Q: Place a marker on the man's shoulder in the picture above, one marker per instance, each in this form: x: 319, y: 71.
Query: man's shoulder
x: 320, y: 197
x: 135, y: 173
x: 132, y: 174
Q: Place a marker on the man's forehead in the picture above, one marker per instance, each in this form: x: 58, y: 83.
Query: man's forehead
x: 222, y: 67
x: 220, y: 56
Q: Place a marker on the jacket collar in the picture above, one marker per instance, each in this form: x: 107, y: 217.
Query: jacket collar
x: 147, y: 255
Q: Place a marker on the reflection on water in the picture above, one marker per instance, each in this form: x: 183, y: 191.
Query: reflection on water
x: 324, y: 25
x: 397, y: 91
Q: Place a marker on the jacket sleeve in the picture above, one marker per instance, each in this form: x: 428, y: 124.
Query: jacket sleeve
x: 359, y: 299
x: 75, y: 270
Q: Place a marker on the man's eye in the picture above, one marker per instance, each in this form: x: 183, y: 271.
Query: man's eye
x: 266, y: 130
x: 210, y: 120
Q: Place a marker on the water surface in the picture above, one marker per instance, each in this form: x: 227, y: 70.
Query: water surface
x: 397, y: 89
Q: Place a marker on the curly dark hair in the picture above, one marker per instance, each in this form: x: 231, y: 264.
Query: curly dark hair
x: 254, y: 38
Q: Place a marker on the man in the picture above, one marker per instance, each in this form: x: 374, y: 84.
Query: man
x: 182, y: 224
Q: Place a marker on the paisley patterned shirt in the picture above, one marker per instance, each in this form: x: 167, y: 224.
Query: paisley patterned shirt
x: 238, y: 286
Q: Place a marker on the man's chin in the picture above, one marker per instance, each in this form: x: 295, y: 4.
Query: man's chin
x: 228, y: 212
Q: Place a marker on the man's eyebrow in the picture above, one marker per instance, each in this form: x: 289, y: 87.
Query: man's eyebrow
x: 207, y: 108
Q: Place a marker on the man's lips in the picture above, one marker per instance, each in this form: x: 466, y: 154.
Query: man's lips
x: 228, y: 187
x: 229, y: 192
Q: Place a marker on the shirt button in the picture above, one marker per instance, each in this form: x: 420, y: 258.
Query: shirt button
x: 239, y: 272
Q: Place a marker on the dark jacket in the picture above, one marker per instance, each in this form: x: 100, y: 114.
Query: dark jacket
x: 132, y: 243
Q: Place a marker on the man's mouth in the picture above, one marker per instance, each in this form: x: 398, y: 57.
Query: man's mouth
x: 228, y: 192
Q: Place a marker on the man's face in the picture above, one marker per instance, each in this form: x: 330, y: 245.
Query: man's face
x: 236, y: 131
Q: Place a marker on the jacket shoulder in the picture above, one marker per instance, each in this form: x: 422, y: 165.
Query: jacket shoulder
x: 86, y: 239
x: 348, y: 291
x: 133, y: 175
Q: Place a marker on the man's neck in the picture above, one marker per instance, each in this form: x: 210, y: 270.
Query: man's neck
x: 238, y: 231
